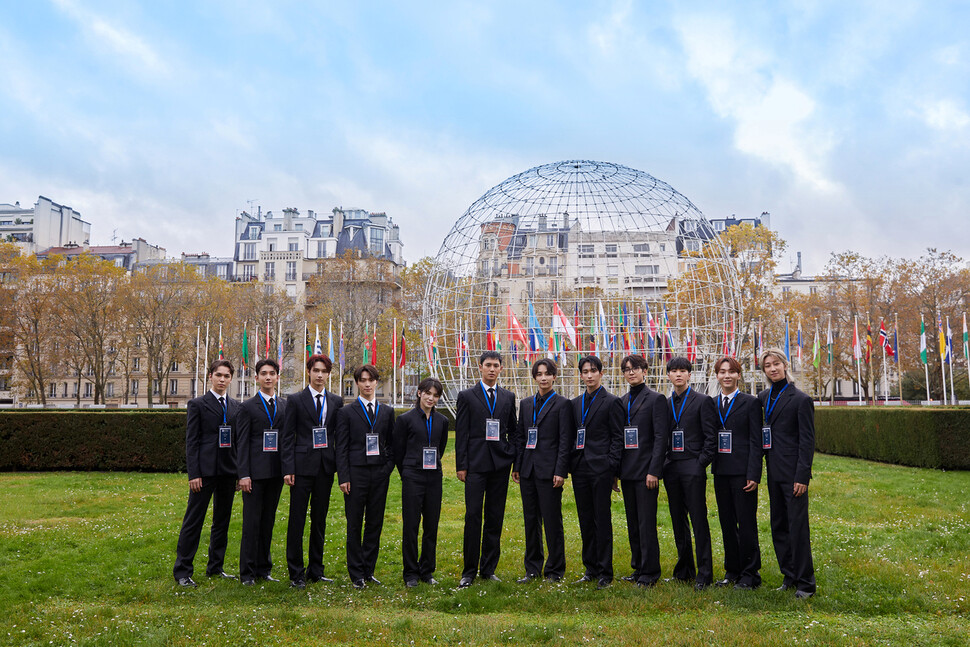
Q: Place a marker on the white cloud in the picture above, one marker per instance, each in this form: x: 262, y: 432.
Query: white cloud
x: 944, y: 114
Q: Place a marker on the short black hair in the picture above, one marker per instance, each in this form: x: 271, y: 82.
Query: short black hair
x: 635, y: 361
x: 267, y: 362
x: 426, y: 385
x: 490, y: 354
x: 679, y: 363
x: 219, y: 363
x: 591, y: 359
x: 370, y: 369
x: 327, y: 362
x: 550, y: 365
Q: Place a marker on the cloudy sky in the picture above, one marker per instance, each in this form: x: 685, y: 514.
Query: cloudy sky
x: 849, y: 122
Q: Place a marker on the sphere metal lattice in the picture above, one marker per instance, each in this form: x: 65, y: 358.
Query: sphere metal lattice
x: 609, y: 245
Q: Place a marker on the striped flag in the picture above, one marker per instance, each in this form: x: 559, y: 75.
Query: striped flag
x: 489, y: 336
x: 922, y: 340
x: 330, y: 340
x: 856, y: 347
x: 884, y: 339
x: 816, y: 354
x: 830, y: 343
x: 317, y: 346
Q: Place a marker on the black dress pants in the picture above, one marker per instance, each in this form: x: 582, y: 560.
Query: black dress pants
x: 220, y: 490
x: 641, y: 524
x: 364, y: 507
x: 737, y: 512
x: 790, y: 535
x: 485, y: 495
x: 259, y: 515
x: 592, y: 493
x: 542, y: 509
x: 312, y: 491
x: 687, y: 499
x: 420, y: 503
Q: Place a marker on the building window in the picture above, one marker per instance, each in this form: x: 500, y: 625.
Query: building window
x: 613, y: 270
x: 321, y: 249
x: 173, y: 387
x: 290, y: 270
x: 551, y: 240
x: 270, y: 271
x: 134, y: 387
x: 641, y: 248
x: 485, y: 268
x: 156, y: 386
x: 692, y: 245
x: 271, y: 244
x: 586, y: 251
x: 253, y: 232
x: 529, y: 265
x: 643, y: 270
x: 249, y: 251
x: 136, y: 364
x: 87, y: 389
x: 175, y: 367
x: 718, y: 225
x: 554, y: 265
x: 376, y: 241
x: 530, y: 289
x: 278, y: 227
x: 248, y: 272
x: 488, y: 243
x: 838, y: 387
x: 587, y: 271
x: 813, y: 289
x: 74, y: 389
x: 293, y: 245
x: 52, y: 392
x: 611, y: 251
x: 109, y: 390
x: 663, y: 247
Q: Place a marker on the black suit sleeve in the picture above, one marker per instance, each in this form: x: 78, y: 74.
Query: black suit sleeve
x: 661, y: 425
x: 755, y: 448
x: 443, y: 444
x: 806, y: 440
x: 517, y: 438
x: 462, y: 430
x: 387, y: 440
x: 567, y: 430
x: 341, y: 445
x: 193, y: 439
x: 709, y: 427
x: 244, y: 429
x: 288, y: 437
x: 399, y: 440
x: 615, y: 421
x: 511, y: 422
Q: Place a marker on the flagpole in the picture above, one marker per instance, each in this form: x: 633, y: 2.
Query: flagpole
x: 940, y: 333
x: 899, y: 373
x: 966, y: 346
x: 924, y: 355
x: 885, y: 377
x: 394, y: 363
x: 306, y: 333
x: 195, y: 385
x: 857, y: 353
x: 949, y: 352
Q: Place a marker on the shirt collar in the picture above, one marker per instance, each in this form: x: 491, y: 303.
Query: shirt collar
x: 364, y: 401
x: 730, y: 396
x: 217, y: 396
x: 487, y: 387
x: 316, y: 393
x: 265, y: 397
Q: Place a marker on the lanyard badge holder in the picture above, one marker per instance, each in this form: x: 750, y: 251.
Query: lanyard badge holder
x: 766, y: 430
x: 429, y: 455
x: 581, y: 432
x: 271, y: 437
x: 225, y: 431
x: 725, y: 439
x: 677, y: 435
x: 532, y: 433
x: 493, y: 430
x: 372, y: 439
x: 631, y: 433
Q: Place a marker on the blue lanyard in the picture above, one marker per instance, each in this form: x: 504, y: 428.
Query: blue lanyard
x: 376, y: 410
x: 677, y: 414
x: 585, y: 408
x: 225, y: 411
x: 536, y: 414
x: 727, y: 414
x: 266, y: 409
x: 490, y: 405
x: 770, y: 405
x: 323, y: 405
x: 629, y: 403
x: 428, y: 421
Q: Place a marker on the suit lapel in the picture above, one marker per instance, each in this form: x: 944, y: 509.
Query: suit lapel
x: 782, y: 403
x: 212, y: 403
x: 306, y: 398
x: 550, y: 403
x: 638, y: 402
x: 594, y: 406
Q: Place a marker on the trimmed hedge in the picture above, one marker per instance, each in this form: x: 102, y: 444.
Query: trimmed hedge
x: 937, y: 437
x: 101, y: 441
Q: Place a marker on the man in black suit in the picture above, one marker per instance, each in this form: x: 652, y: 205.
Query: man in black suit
x: 309, y: 463
x: 365, y: 461
x: 641, y: 468
x: 210, y: 460
x: 594, y: 461
x: 260, y: 474
x: 542, y: 442
x: 483, y: 458
x: 692, y: 440
x: 789, y: 442
x: 737, y: 472
x: 420, y: 439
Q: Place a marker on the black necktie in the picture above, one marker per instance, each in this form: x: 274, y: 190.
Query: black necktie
x: 272, y: 409
x: 491, y: 397
x: 222, y: 403
x: 319, y: 406
x: 724, y: 403
x: 370, y: 409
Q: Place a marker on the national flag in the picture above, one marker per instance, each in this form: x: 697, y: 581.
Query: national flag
x: 489, y: 337
x: 330, y: 340
x: 343, y: 361
x: 830, y: 342
x: 279, y: 346
x: 787, y: 341
x: 692, y: 346
x: 307, y: 345
x: 922, y: 340
x: 222, y: 354
x: 593, y: 331
x: 868, y: 340
x: 537, y: 341
x: 317, y: 346
x: 816, y: 354
x: 966, y: 340
x: 404, y: 348
x: 394, y: 345
x: 245, y: 347
x: 856, y: 347
x: 884, y: 339
x: 562, y: 325
x: 896, y: 342
x: 731, y: 344
x: 799, y: 342
x: 365, y: 355
x: 516, y: 330
x: 940, y: 336
x: 669, y: 338
x: 603, y: 325
x: 373, y: 349
x: 267, y: 338
x: 724, y: 341
x: 624, y: 329
x: 949, y: 341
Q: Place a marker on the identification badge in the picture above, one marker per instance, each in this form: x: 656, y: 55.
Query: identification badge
x: 271, y: 440
x: 373, y: 446
x: 677, y: 441
x: 492, y: 429
x: 225, y: 436
x: 631, y: 438
x: 581, y: 438
x: 533, y: 438
x: 724, y: 441
x: 430, y: 461
x: 319, y: 437
x: 766, y: 438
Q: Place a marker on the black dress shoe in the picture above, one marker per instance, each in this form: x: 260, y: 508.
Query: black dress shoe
x: 430, y: 580
x: 700, y: 586
x: 270, y: 578
x: 359, y: 584
x: 373, y: 580
x: 743, y: 586
x: 297, y: 584
x: 554, y: 578
x: 784, y: 586
x: 492, y: 578
x: 603, y: 583
x: 632, y: 577
x: 224, y: 575
x: 465, y: 582
x: 725, y: 582
x: 249, y: 582
x: 678, y: 580
x: 647, y: 584
x: 584, y: 578
x: 411, y: 584
x: 803, y: 595
x: 526, y: 579
x: 187, y: 582
x: 325, y: 580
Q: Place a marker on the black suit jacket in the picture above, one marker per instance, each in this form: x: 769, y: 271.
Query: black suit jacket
x: 297, y: 454
x: 472, y: 451
x: 411, y: 437
x: 746, y: 455
x: 699, y: 422
x: 792, y: 425
x: 554, y: 442
x: 351, y: 439
x: 203, y: 456
x: 604, y: 434
x: 651, y: 415
x: 252, y: 462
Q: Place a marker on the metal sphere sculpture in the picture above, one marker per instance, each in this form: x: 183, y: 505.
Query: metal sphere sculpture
x: 572, y: 258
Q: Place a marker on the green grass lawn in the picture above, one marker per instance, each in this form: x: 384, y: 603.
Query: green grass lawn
x: 86, y: 558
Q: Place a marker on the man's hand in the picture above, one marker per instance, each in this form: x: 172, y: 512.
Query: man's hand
x: 246, y: 485
x: 751, y: 486
x: 290, y: 479
x: 515, y: 477
x: 345, y: 487
x: 557, y: 481
x: 800, y: 489
x: 195, y: 485
x: 616, y: 484
x: 652, y: 482
x: 462, y: 474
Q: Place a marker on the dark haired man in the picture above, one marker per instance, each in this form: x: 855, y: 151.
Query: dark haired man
x: 309, y: 463
x: 542, y: 442
x: 210, y: 460
x: 691, y: 450
x: 594, y: 460
x: 644, y: 448
x: 737, y: 472
x: 789, y: 442
x: 260, y: 475
x: 420, y: 439
x: 483, y: 458
x: 365, y: 461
